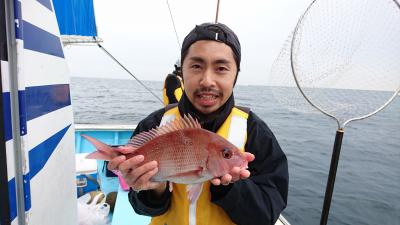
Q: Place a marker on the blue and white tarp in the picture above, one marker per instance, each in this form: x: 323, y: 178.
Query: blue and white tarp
x: 45, y: 140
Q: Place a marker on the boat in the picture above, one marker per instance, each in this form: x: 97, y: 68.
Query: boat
x: 41, y: 174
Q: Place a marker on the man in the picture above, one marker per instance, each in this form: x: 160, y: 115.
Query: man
x: 173, y: 86
x: 210, y: 59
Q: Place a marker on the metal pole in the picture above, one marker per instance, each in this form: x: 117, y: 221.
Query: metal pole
x: 14, y: 101
x: 4, y: 192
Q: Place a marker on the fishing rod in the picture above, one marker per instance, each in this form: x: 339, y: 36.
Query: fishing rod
x: 216, y: 14
x: 111, y: 56
x: 173, y: 24
x: 120, y: 64
x: 179, y: 44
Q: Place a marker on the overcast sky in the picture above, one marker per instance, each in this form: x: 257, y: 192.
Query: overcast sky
x: 141, y: 35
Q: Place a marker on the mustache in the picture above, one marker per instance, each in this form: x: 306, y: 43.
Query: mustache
x: 207, y: 90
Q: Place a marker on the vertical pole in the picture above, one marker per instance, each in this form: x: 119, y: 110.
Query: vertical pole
x: 19, y: 154
x: 4, y: 192
x: 5, y: 202
x: 331, y: 177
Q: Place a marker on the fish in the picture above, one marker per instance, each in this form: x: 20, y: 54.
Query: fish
x: 185, y: 152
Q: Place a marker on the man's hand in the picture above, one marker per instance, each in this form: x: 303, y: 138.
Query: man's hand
x: 138, y: 176
x: 235, y: 174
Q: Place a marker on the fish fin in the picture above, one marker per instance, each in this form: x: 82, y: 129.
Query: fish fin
x: 193, y: 121
x: 104, y: 151
x: 178, y: 124
x: 140, y: 139
x: 99, y: 155
x: 193, y: 191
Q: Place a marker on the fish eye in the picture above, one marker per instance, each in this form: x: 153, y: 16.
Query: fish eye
x: 226, y: 153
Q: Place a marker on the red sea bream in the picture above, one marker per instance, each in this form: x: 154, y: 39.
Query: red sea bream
x: 185, y: 152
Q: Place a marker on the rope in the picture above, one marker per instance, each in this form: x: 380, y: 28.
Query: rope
x: 100, y: 46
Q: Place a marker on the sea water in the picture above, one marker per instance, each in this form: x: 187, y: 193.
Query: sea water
x: 368, y: 177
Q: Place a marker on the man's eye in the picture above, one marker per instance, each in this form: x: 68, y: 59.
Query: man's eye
x: 222, y: 69
x: 195, y: 66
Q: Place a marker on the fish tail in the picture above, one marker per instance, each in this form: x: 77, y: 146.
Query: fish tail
x: 103, y: 151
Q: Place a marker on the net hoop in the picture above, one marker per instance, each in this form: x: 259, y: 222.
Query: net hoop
x: 340, y: 125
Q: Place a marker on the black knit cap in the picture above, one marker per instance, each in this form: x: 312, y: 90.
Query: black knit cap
x: 215, y: 32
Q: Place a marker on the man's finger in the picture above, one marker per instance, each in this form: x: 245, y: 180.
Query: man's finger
x: 226, y: 179
x: 235, y: 173
x: 244, y: 174
x: 216, y: 181
x: 143, y: 169
x: 115, y: 162
x: 249, y: 157
x: 144, y: 179
x: 131, y: 164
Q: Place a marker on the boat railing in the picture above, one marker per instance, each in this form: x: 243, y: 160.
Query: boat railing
x: 91, y: 127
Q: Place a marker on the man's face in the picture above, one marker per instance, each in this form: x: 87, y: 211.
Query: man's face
x: 209, y: 71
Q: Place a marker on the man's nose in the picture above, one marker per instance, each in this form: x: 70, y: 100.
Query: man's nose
x: 207, y: 80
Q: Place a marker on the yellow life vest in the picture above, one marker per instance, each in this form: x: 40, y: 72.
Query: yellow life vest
x: 178, y: 92
x: 202, y: 211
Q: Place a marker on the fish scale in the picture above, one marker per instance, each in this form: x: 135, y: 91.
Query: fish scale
x: 176, y: 156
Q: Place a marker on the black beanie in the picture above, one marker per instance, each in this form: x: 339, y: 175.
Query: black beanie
x: 216, y: 32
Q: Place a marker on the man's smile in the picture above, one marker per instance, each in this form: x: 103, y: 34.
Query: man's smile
x: 207, y: 98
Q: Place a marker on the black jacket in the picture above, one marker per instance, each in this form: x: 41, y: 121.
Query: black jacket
x: 256, y: 200
x: 172, y: 83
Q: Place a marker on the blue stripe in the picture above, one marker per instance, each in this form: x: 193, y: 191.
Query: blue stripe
x: 46, y: 3
x: 35, y: 102
x: 12, y: 199
x: 41, y: 100
x: 27, y: 192
x: 40, y: 154
x: 39, y: 40
x: 7, y: 116
x: 22, y: 113
x: 18, y: 20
